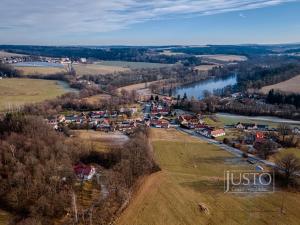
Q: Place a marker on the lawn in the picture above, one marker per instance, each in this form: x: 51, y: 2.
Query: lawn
x: 192, y: 173
x: 16, y: 92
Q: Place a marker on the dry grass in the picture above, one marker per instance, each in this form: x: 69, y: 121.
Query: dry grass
x: 96, y: 69
x: 34, y: 70
x: 192, y: 173
x: 101, y: 141
x: 225, y: 58
x: 16, y: 92
x: 97, y: 98
x: 204, y: 68
x: 289, y: 86
x: 4, y: 217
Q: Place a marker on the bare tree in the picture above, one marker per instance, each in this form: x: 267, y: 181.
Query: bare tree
x: 290, y: 165
x: 284, y: 130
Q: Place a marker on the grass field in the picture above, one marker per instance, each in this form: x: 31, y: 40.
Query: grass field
x: 225, y: 58
x: 192, y: 173
x: 289, y: 86
x: 32, y: 70
x: 224, y: 119
x: 16, y: 92
x: 96, y: 69
x: 132, y: 65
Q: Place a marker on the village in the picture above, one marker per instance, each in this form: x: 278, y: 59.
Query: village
x: 159, y: 113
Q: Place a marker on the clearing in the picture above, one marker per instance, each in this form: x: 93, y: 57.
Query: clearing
x: 15, y: 92
x: 225, y: 58
x: 204, y: 68
x: 192, y: 174
x: 101, y: 140
x: 289, y: 86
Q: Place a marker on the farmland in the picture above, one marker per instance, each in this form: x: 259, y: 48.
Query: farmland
x: 95, y: 69
x: 16, y: 92
x: 192, y: 174
x: 31, y: 70
x: 202, y: 68
x: 288, y: 86
x: 225, y: 58
x: 132, y: 65
x: 105, y: 67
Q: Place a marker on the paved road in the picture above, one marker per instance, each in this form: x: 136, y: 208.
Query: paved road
x: 229, y: 149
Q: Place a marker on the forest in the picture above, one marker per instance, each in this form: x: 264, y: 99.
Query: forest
x: 134, y: 54
x: 277, y: 97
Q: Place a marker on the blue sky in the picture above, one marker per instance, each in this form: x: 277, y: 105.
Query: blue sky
x: 151, y: 22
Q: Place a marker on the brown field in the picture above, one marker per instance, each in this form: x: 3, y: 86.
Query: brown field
x: 101, y: 141
x: 8, y: 54
x: 204, y: 68
x: 289, y: 86
x: 96, y: 69
x: 225, y: 58
x: 192, y: 174
x: 32, y: 70
x: 97, y: 98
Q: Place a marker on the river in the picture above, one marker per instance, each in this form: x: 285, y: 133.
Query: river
x: 196, y: 89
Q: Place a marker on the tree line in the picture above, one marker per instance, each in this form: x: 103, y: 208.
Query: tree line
x: 278, y: 97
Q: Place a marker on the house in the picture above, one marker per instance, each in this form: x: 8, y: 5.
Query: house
x: 262, y: 127
x: 211, y: 133
x: 84, y: 172
x: 246, y: 126
x: 52, y: 120
x: 161, y: 123
x: 104, y: 125
x: 190, y: 121
x: 70, y: 118
x: 126, y: 125
x: 205, y: 132
x: 217, y: 133
x: 296, y: 130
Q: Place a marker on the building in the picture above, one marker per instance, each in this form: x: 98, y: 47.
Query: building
x: 217, y: 133
x: 161, y: 123
x: 84, y: 172
x: 211, y: 133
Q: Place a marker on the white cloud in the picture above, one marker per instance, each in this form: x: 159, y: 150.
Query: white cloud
x: 56, y: 17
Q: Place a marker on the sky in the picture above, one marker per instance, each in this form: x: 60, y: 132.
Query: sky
x: 149, y: 22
